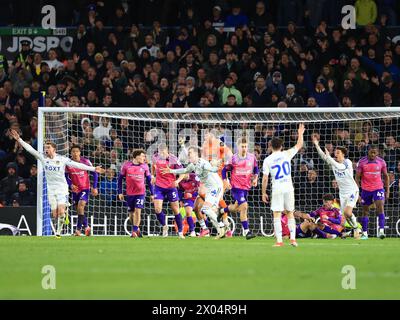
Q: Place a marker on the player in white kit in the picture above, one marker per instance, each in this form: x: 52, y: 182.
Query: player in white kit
x: 278, y: 164
x: 348, y: 189
x: 208, y: 175
x: 54, y: 168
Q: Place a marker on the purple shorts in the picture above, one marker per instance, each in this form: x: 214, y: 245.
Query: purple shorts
x: 133, y: 202
x: 80, y: 196
x: 369, y: 197
x: 301, y: 234
x: 239, y: 195
x: 170, y: 194
x: 187, y: 202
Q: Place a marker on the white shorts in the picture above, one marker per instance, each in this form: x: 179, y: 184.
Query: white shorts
x: 348, y: 200
x: 214, y: 195
x: 282, y: 201
x: 58, y: 199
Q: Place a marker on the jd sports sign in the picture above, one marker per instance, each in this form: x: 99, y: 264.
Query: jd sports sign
x: 10, y: 45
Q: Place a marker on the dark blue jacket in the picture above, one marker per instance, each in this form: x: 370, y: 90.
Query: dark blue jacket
x: 236, y: 21
x: 380, y: 68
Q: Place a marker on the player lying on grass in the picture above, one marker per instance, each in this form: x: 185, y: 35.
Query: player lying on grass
x: 188, y: 192
x: 348, y: 189
x: 330, y: 218
x: 79, y: 183
x: 278, y: 164
x: 54, y: 169
x: 136, y: 173
x: 166, y: 187
x: 244, y: 175
x: 306, y: 229
x: 208, y: 175
x: 370, y: 170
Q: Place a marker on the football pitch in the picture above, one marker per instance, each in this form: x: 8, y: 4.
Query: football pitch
x: 201, y: 268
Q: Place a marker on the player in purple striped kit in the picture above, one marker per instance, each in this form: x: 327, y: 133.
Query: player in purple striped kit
x: 79, y: 183
x: 370, y: 170
x: 166, y: 188
x: 136, y: 173
x: 188, y: 192
x: 244, y: 175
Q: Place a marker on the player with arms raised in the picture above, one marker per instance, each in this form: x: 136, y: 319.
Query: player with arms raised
x: 244, y: 175
x: 136, y: 173
x: 278, y: 165
x: 54, y: 168
x: 166, y: 187
x: 348, y: 189
x: 208, y: 175
x: 79, y: 183
x: 370, y: 170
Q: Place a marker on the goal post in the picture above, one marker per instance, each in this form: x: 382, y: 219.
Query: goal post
x: 107, y: 137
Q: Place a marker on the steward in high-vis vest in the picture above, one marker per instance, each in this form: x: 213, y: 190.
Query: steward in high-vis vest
x: 23, y: 55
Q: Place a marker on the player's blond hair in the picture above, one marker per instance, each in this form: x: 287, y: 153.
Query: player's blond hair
x: 51, y: 143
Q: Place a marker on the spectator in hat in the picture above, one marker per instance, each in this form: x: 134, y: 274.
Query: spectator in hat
x: 275, y: 84
x: 23, y: 197
x: 9, y: 184
x: 217, y: 17
x: 227, y: 89
x: 292, y: 99
x: 102, y: 131
x: 323, y: 97
x: 22, y: 58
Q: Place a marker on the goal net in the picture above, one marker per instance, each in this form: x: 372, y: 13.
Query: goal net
x: 107, y: 137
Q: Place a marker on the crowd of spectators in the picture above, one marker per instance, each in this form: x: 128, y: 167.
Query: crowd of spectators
x: 286, y: 53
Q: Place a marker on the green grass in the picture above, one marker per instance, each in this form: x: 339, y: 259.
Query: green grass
x: 157, y: 268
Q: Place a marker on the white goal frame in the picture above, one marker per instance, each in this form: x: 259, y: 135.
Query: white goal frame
x: 234, y: 110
